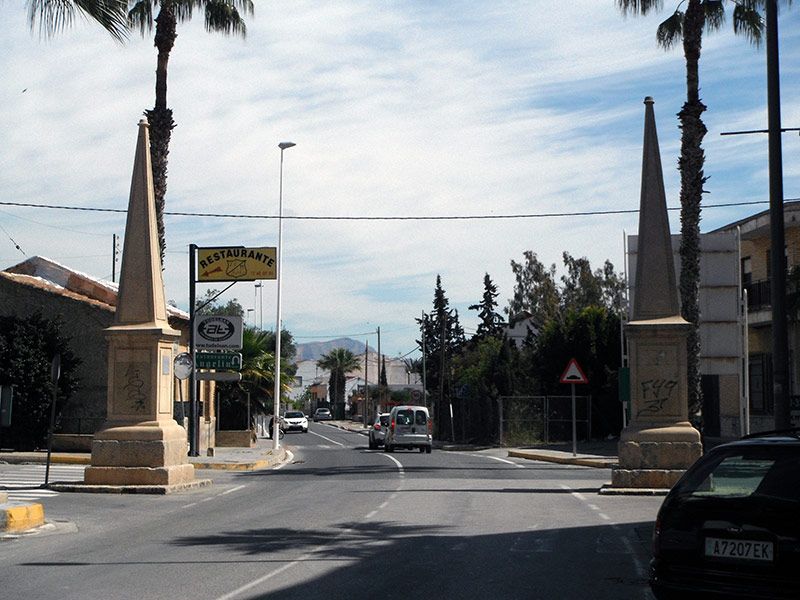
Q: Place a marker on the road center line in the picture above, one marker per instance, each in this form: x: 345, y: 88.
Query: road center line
x: 325, y: 438
x: 236, y: 489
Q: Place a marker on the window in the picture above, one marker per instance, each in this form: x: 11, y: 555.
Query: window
x: 761, y: 384
x: 747, y: 270
x: 422, y: 418
x: 405, y: 417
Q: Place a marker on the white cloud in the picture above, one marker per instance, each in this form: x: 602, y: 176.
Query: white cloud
x: 405, y: 109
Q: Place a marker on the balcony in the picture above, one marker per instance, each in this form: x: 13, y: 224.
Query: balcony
x: 758, y: 295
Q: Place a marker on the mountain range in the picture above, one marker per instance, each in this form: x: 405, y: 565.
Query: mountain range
x: 315, y: 350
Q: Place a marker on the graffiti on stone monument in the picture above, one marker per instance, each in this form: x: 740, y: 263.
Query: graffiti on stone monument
x: 133, y: 387
x: 655, y: 393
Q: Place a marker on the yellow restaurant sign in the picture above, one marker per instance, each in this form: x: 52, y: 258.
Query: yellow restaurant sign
x: 236, y: 264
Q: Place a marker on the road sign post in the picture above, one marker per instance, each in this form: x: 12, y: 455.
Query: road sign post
x: 573, y: 374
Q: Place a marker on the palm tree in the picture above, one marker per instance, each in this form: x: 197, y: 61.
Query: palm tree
x: 688, y: 28
x: 258, y: 375
x: 54, y: 15
x: 220, y: 16
x: 338, y: 362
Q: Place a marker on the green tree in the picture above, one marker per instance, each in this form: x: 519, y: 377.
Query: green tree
x: 209, y: 305
x: 535, y: 290
x: 491, y: 323
x: 27, y: 347
x: 51, y: 16
x: 583, y: 287
x: 258, y: 379
x: 442, y: 337
x: 338, y: 362
x: 687, y: 28
x: 484, y: 371
x: 222, y: 16
x: 591, y: 335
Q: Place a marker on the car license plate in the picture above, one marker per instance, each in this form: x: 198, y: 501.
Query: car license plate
x: 741, y: 549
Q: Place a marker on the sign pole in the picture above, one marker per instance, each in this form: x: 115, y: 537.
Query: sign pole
x: 55, y: 374
x: 194, y: 437
x: 574, y: 428
x: 574, y: 374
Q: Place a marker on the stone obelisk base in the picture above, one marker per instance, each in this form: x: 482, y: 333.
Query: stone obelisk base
x: 653, y: 457
x: 151, y: 454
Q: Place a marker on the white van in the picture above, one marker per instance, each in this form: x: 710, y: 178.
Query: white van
x: 409, y: 427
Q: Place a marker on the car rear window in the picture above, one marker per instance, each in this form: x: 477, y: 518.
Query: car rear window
x: 422, y: 418
x: 385, y: 420
x: 773, y: 474
x: 405, y: 417
x: 294, y: 415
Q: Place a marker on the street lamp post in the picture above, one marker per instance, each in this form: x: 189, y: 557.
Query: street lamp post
x: 258, y: 301
x: 278, y: 273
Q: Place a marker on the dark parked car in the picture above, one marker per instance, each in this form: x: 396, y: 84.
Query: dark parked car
x: 730, y: 528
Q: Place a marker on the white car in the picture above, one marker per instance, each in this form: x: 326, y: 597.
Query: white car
x: 295, y: 420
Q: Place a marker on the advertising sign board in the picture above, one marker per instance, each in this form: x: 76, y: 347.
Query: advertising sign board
x: 217, y: 332
x: 218, y: 360
x: 236, y: 263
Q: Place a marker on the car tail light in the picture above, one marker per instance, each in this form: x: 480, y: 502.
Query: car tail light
x: 392, y: 424
x: 377, y: 426
x: 430, y: 426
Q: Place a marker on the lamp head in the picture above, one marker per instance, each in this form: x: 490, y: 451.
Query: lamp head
x: 285, y: 145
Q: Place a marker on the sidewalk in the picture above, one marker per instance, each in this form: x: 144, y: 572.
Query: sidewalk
x: 599, y: 454
x: 260, y: 456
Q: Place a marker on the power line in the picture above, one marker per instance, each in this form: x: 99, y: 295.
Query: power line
x: 585, y: 213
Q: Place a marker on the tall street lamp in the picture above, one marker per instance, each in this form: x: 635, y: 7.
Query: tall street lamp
x: 258, y: 301
x: 278, y: 272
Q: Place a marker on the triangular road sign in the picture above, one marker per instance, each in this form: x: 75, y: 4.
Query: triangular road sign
x: 573, y: 373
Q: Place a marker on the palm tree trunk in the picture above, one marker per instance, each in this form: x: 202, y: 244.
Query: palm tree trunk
x: 690, y: 165
x: 160, y: 117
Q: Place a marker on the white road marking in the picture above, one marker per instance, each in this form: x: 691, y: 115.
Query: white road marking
x: 326, y: 438
x: 497, y: 458
x: 397, y: 462
x: 236, y: 489
x: 371, y: 514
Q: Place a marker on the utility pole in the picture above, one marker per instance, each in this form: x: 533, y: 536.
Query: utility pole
x: 441, y: 367
x: 366, y: 382
x: 380, y: 387
x: 114, y: 252
x: 780, y: 338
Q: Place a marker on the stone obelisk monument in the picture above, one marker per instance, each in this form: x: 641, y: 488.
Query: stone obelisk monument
x: 659, y: 443
x: 140, y: 444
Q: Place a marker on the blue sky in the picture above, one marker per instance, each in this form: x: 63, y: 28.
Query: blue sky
x: 398, y: 109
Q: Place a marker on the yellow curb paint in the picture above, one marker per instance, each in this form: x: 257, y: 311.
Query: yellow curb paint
x: 598, y: 463
x: 21, y: 518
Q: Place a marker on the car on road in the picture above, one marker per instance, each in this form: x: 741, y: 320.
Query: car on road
x: 295, y: 420
x: 730, y: 527
x: 409, y: 427
x: 377, y: 433
x: 322, y: 414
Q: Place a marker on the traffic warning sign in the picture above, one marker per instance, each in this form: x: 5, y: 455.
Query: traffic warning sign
x: 573, y: 373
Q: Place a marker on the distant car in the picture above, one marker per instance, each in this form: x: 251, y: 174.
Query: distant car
x: 409, y: 427
x: 730, y: 527
x: 322, y: 414
x: 377, y: 433
x: 295, y: 420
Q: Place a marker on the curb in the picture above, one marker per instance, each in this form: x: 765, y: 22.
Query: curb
x: 16, y: 518
x: 256, y: 465
x: 36, y: 459
x: 597, y: 463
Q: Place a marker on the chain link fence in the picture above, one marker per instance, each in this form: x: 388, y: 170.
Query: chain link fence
x: 529, y: 420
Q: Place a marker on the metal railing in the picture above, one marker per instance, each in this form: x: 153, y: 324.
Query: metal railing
x: 758, y: 294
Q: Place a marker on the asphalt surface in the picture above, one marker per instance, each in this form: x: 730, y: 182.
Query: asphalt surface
x: 337, y: 520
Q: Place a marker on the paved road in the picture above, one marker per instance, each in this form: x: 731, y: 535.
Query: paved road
x: 341, y: 521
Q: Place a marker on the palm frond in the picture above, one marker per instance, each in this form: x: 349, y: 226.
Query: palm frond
x: 639, y: 7
x: 223, y: 16
x: 670, y: 31
x: 53, y: 16
x: 140, y: 16
x: 182, y: 9
x: 747, y: 21
x: 714, y: 14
